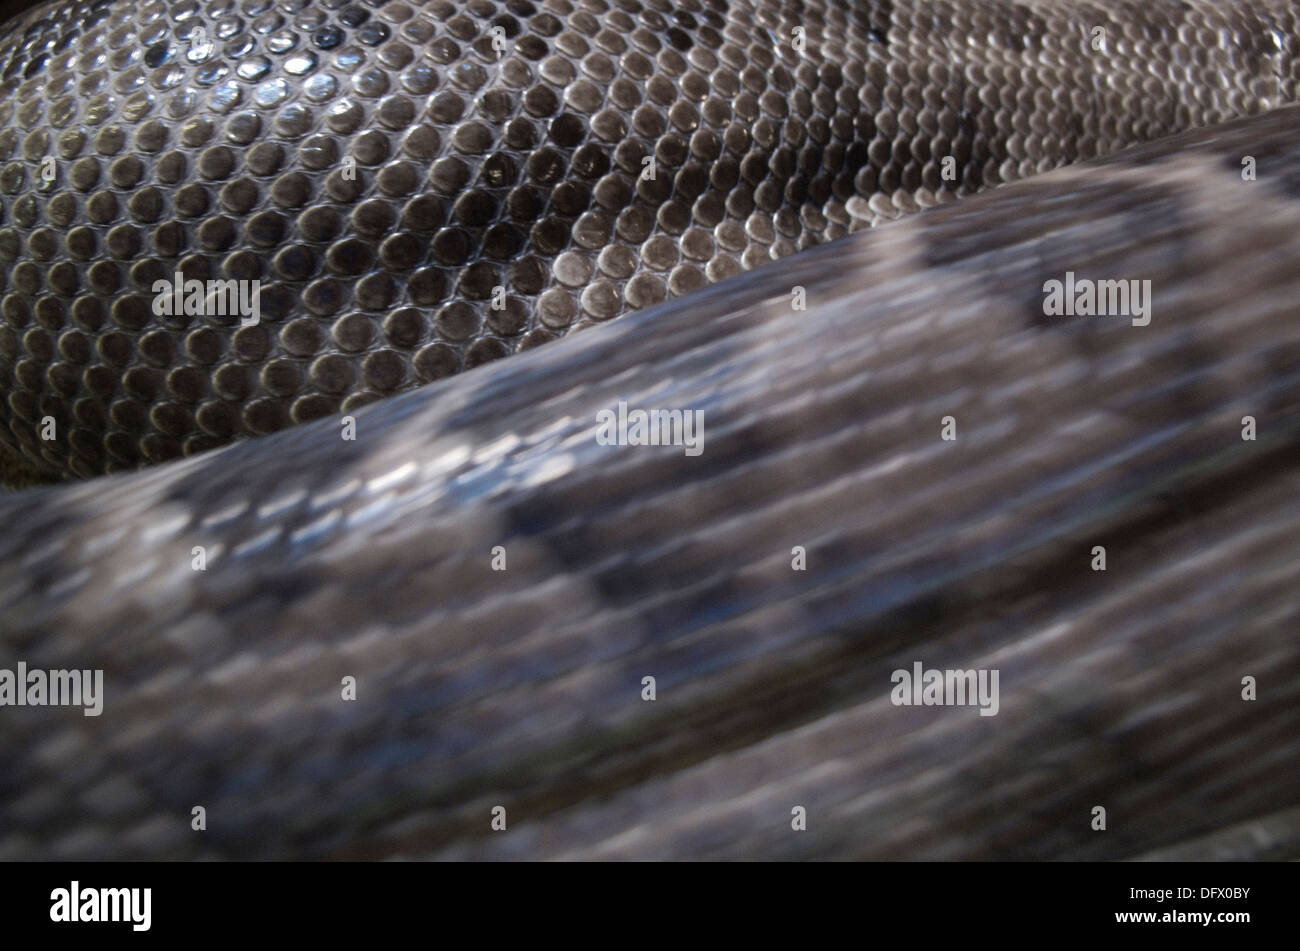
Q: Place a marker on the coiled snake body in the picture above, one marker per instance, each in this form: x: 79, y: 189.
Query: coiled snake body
x: 421, y: 189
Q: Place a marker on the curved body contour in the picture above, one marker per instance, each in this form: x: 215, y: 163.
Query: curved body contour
x: 371, y: 558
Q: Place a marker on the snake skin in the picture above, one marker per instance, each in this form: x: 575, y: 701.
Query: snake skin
x: 522, y: 689
x: 371, y: 558
x: 385, y: 169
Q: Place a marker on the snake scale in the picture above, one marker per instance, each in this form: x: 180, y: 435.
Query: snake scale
x: 421, y: 189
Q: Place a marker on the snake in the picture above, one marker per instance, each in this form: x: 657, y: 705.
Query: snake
x: 364, y: 582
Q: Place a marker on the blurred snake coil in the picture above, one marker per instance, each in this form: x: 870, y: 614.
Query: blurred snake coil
x: 363, y: 581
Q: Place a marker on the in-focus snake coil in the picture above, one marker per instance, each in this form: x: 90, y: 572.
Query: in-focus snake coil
x: 422, y: 188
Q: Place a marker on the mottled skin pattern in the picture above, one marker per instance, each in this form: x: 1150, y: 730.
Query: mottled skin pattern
x: 387, y: 169
x: 371, y: 558
x: 476, y: 688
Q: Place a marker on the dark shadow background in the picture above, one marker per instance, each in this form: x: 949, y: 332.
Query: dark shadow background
x: 11, y: 8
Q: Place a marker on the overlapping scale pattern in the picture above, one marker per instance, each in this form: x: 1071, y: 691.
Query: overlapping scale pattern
x: 422, y: 188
